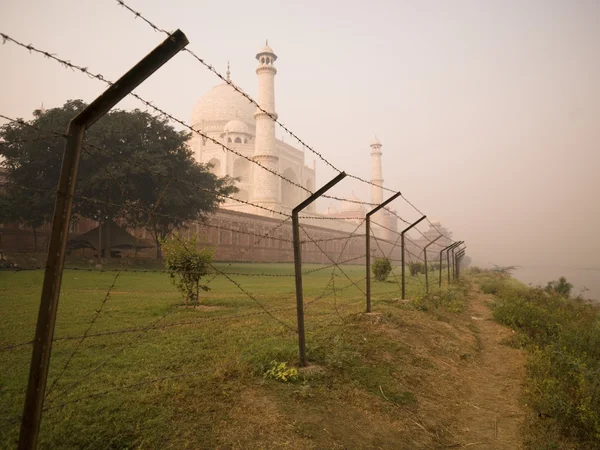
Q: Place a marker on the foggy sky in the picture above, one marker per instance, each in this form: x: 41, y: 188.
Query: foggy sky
x: 487, y: 111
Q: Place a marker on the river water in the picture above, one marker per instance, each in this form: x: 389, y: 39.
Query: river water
x: 580, y: 278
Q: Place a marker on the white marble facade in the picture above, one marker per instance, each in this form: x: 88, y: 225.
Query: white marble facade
x: 231, y: 119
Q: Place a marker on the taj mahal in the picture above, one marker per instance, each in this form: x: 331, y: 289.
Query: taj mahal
x: 225, y: 115
x: 249, y: 226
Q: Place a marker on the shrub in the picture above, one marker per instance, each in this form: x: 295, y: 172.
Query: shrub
x: 416, y: 268
x: 560, y: 287
x: 563, y: 337
x: 382, y: 268
x: 434, y: 267
x: 186, y: 265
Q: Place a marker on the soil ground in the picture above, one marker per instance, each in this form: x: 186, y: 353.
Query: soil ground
x: 491, y: 415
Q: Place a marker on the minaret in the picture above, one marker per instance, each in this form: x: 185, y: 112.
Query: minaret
x: 376, y: 176
x: 267, y: 186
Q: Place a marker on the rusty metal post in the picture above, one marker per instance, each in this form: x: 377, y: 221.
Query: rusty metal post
x: 368, y: 244
x: 403, y: 253
x: 454, y: 261
x: 298, y: 262
x: 458, y: 257
x: 451, y: 249
x: 441, y: 263
x: 42, y: 345
x: 447, y: 249
x: 426, y: 267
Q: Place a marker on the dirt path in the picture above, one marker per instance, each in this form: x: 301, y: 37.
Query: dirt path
x: 491, y: 416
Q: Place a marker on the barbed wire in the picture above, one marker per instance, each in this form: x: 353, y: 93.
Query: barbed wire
x: 84, y: 336
x: 328, y: 257
x: 335, y: 266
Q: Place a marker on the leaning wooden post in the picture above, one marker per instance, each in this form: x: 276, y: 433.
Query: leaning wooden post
x: 403, y: 252
x: 298, y: 262
x: 42, y: 345
x: 368, y: 244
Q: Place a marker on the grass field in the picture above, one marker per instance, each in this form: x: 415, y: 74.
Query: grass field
x: 176, y: 377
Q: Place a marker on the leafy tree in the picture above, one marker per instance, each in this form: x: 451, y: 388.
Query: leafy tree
x: 186, y: 265
x: 137, y: 167
x: 560, y: 287
x: 382, y: 268
x: 32, y: 209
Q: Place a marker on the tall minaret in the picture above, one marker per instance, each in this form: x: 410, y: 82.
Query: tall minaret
x: 266, y: 185
x: 376, y: 176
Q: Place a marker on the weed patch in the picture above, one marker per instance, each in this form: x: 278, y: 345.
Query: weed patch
x: 562, y: 336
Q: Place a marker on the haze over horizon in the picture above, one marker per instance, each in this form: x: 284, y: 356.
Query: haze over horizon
x: 487, y: 112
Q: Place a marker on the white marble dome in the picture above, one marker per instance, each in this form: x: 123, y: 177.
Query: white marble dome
x: 236, y: 126
x: 222, y: 103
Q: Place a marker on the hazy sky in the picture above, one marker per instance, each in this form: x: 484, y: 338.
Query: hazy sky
x: 488, y: 111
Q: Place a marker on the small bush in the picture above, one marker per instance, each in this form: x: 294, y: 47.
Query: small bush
x: 560, y: 287
x: 416, y: 268
x: 382, y: 268
x: 281, y: 372
x: 186, y: 265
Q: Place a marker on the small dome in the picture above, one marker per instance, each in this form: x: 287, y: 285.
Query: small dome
x: 236, y: 126
x: 436, y: 223
x: 375, y: 142
x: 266, y: 50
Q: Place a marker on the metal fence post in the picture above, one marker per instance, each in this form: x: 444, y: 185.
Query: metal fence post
x: 456, y: 244
x: 44, y: 333
x: 459, y: 257
x: 368, y: 244
x: 426, y: 267
x: 454, y: 260
x: 298, y: 262
x: 451, y: 262
x: 403, y: 253
x: 446, y: 249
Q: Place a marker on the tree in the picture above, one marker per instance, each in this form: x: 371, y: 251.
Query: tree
x: 32, y: 208
x: 136, y: 167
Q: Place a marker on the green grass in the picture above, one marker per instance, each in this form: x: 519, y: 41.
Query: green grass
x: 205, y: 366
x: 562, y: 337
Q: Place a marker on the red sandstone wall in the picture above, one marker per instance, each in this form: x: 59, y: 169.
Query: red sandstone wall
x: 237, y: 236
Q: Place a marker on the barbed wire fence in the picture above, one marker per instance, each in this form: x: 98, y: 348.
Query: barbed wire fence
x: 333, y: 269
